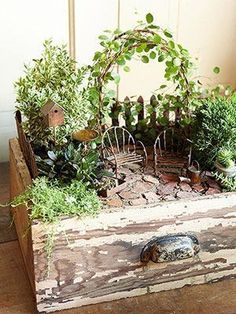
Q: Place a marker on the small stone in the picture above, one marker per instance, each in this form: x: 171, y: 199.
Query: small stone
x: 151, y: 179
x: 212, y: 191
x: 128, y: 195
x: 186, y: 195
x: 169, y: 177
x: 125, y: 171
x: 151, y: 197
x: 141, y: 187
x: 184, y: 179
x: 185, y: 187
x: 133, y: 177
x: 138, y: 201
x: 167, y: 188
x: 115, y: 202
x: 149, y: 170
x: 213, y: 184
x: 135, y: 167
x: 169, y: 198
x: 208, y: 174
x: 198, y: 188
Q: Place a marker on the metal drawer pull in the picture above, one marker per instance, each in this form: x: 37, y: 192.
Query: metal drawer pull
x: 171, y: 247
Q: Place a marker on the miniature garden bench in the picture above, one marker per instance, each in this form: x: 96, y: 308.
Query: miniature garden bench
x: 119, y: 148
x: 172, y: 151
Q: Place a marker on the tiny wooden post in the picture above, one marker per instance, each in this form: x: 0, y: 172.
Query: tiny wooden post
x: 141, y: 112
x: 115, y: 113
x: 153, y: 119
x: 127, y: 112
x: 26, y: 147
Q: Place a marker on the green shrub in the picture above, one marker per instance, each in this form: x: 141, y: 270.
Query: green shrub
x: 214, y: 127
x: 52, y: 76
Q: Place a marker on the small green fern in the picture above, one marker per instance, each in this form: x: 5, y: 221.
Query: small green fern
x: 229, y: 184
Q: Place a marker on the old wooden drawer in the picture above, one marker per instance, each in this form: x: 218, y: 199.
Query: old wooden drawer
x: 98, y: 259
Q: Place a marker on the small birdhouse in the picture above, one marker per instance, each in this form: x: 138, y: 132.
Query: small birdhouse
x: 53, y: 114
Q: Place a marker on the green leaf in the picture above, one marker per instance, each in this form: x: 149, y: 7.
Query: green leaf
x: 152, y: 55
x: 111, y: 93
x: 167, y: 34
x: 163, y: 86
x: 126, y: 68
x: 139, y: 49
x: 149, y: 18
x: 216, y: 70
x: 120, y: 61
x: 163, y: 120
x: 161, y: 58
x: 103, y: 37
x: 171, y: 44
x: 116, y: 77
x: 157, y: 39
x: 145, y: 59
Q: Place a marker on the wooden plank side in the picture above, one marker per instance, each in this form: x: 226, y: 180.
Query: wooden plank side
x: 19, y: 180
x: 96, y: 260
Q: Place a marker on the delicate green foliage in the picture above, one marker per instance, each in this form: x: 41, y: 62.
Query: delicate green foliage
x: 146, y: 41
x: 52, y: 76
x: 214, y: 128
x: 126, y: 68
x: 216, y: 70
x: 49, y: 200
x: 145, y: 59
x: 152, y: 55
x: 229, y: 184
x: 116, y: 77
x: 167, y: 34
x: 149, y: 18
x: 225, y: 158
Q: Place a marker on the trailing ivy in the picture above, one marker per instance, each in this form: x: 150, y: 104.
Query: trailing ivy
x: 147, y: 41
x: 50, y: 200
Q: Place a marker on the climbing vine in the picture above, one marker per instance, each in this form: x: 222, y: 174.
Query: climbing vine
x: 147, y: 41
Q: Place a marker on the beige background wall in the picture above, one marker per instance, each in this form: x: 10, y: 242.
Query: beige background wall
x: 24, y: 25
x: 206, y: 27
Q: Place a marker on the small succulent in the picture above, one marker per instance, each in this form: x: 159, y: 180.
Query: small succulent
x: 225, y: 157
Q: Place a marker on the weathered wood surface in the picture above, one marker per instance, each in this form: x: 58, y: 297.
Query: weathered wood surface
x: 19, y: 180
x: 98, y: 259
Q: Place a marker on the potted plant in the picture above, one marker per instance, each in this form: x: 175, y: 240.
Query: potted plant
x: 225, y: 162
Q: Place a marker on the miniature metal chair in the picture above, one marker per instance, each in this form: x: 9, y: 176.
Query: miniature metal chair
x: 172, y: 152
x: 119, y: 148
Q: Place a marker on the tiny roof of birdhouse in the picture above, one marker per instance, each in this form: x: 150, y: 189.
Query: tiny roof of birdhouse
x: 49, y: 106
